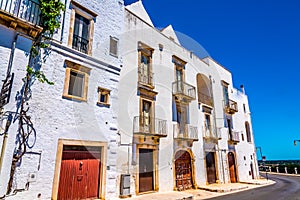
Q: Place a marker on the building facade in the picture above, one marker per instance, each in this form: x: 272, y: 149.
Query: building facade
x: 73, y: 153
x: 182, y: 123
x: 131, y: 111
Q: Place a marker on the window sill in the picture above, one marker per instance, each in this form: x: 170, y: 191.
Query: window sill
x: 102, y: 104
x: 70, y: 97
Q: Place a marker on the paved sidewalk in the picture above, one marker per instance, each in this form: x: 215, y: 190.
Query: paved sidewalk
x: 204, y: 191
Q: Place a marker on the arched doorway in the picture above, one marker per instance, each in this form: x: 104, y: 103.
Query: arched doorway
x: 183, y: 170
x: 232, y: 167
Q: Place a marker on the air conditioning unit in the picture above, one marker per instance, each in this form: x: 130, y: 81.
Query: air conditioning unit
x: 125, y: 185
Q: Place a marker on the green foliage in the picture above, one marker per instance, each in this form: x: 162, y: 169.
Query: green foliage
x: 50, y: 11
x: 38, y: 74
x: 50, y: 14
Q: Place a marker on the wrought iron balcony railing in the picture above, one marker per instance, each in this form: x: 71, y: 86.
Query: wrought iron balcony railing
x: 231, y: 106
x: 185, y: 132
x: 150, y: 126
x: 209, y: 132
x: 234, y: 136
x: 28, y: 10
x: 146, y: 78
x: 205, y: 99
x: 181, y: 88
x: 80, y: 43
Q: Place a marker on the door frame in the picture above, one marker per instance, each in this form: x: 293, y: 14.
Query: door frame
x: 192, y: 166
x: 155, y: 167
x: 102, y: 174
x: 235, y: 166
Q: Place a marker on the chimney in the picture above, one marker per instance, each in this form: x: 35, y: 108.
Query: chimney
x: 242, y: 89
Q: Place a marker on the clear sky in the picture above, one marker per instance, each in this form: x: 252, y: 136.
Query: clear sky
x: 259, y: 42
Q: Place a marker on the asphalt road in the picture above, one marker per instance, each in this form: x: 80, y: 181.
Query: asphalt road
x: 285, y: 188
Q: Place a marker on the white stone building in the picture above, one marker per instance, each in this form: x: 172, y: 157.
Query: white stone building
x: 182, y: 124
x: 74, y: 152
x: 131, y: 110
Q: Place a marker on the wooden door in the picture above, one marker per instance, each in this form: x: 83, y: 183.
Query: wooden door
x: 146, y: 175
x: 252, y: 171
x: 211, y: 167
x: 183, y: 172
x: 79, y: 175
x: 232, y: 167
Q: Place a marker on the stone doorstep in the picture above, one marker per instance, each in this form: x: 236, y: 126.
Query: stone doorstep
x: 256, y: 183
x: 222, y: 189
x: 164, y: 196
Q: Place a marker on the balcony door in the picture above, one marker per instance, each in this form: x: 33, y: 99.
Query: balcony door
x: 225, y: 95
x: 146, y: 116
x: 179, y: 79
x: 145, y: 69
x: 182, y: 118
x: 81, y: 33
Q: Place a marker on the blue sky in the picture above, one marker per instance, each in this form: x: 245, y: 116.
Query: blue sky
x: 259, y: 42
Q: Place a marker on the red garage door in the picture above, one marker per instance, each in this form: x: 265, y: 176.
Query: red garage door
x: 79, y: 174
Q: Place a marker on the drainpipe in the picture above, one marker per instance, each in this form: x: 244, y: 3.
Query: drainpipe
x: 11, y: 58
x: 63, y: 23
x: 9, y: 119
x: 8, y: 123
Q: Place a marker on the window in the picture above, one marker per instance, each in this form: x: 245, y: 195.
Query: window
x: 145, y: 65
x: 225, y: 93
x: 81, y: 34
x: 113, y: 46
x: 244, y: 106
x: 103, y: 98
x: 76, y: 81
x: 207, y: 122
x: 247, y: 127
x: 81, y: 28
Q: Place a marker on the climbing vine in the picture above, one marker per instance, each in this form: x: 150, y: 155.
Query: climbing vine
x: 50, y: 21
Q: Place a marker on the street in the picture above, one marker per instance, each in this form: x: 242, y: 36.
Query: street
x: 286, y: 187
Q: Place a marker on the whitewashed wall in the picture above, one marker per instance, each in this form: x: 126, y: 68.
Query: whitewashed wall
x: 57, y: 118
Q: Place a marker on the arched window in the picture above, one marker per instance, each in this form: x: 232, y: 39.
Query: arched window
x: 248, y: 132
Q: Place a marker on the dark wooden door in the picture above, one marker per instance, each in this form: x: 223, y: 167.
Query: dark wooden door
x: 252, y: 171
x: 79, y: 175
x: 146, y: 179
x: 183, y: 169
x: 211, y: 167
x: 232, y: 167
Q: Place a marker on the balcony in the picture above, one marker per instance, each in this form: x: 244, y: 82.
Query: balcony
x: 149, y: 126
x: 185, y: 132
x: 210, y: 133
x: 234, y: 136
x: 231, y: 107
x: 183, y: 90
x: 21, y: 15
x: 80, y: 44
x: 205, y: 99
x: 146, y: 78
